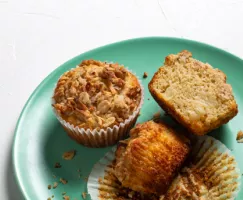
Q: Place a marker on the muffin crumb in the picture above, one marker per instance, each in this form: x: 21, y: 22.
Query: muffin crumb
x: 239, y: 137
x: 156, y: 115
x: 49, y: 187
x: 52, y: 196
x: 84, y: 195
x: 63, y: 193
x: 63, y: 181
x: 97, y: 95
x: 55, y: 185
x: 57, y: 165
x: 145, y: 75
x: 66, y: 198
x: 49, y: 198
x: 86, y: 179
x: 69, y: 155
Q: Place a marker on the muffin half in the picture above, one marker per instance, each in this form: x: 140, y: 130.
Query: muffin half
x: 194, y: 93
x: 97, y: 102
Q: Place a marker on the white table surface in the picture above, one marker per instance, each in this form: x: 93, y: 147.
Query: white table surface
x: 36, y: 36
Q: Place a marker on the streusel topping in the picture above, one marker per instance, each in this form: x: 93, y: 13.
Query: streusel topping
x: 96, y: 95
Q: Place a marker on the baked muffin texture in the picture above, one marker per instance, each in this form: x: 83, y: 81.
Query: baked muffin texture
x: 96, y: 95
x: 149, y: 160
x: 194, y: 93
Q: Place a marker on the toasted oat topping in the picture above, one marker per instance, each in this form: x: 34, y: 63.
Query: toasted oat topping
x: 96, y: 95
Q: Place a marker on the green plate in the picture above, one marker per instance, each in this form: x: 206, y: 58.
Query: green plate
x: 40, y: 141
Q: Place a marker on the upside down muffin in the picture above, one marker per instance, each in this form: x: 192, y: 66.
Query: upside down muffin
x: 96, y: 96
x: 149, y: 160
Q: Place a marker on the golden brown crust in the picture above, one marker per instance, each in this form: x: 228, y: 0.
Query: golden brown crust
x: 150, y: 159
x: 213, y: 117
x: 96, y: 95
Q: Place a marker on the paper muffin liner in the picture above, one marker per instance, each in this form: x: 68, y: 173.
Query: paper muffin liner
x: 103, y: 137
x: 211, y: 173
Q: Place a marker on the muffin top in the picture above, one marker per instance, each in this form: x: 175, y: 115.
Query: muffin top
x: 96, y: 95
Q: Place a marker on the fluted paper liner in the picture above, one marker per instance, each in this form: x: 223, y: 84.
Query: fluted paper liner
x: 211, y: 174
x: 102, y: 137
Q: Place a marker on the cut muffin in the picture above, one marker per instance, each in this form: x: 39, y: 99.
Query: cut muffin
x: 97, y: 102
x: 148, y: 161
x: 194, y: 93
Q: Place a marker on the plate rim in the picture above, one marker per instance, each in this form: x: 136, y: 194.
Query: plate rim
x: 16, y: 172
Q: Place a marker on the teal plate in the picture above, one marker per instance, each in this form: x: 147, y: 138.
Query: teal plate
x: 40, y: 140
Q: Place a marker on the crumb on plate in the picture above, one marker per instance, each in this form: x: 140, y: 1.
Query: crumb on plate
x: 239, y: 137
x: 57, y: 165
x: 84, y: 195
x: 63, y: 181
x: 69, y: 155
x: 55, y: 185
x: 145, y: 75
x: 66, y: 198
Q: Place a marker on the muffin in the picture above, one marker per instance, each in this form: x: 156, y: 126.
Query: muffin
x: 149, y: 160
x: 97, y: 102
x: 194, y: 93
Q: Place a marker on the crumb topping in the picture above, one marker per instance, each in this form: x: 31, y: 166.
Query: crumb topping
x: 96, y: 95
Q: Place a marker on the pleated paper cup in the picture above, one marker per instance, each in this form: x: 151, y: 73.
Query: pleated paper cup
x: 211, y: 174
x: 102, y: 137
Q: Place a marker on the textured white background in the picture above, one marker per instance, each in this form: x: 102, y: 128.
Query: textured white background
x: 36, y: 36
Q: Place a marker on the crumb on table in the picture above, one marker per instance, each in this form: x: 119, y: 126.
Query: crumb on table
x: 49, y: 187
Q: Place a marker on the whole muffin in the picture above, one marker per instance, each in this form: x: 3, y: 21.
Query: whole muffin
x: 97, y: 102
